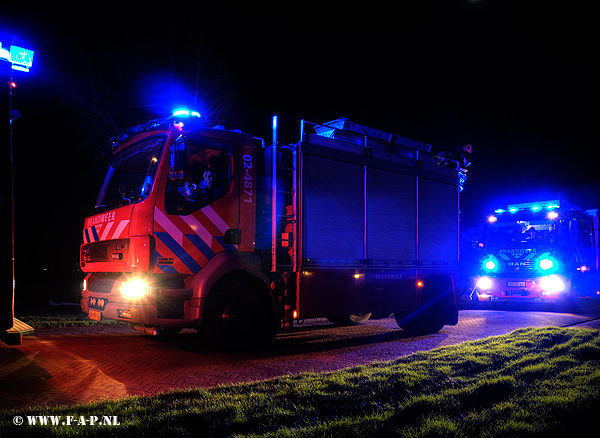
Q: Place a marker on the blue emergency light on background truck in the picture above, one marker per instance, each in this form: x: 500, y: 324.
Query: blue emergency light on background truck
x: 343, y: 224
x: 545, y: 251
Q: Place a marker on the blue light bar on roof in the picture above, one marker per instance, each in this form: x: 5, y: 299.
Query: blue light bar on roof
x: 533, y: 206
x: 186, y: 112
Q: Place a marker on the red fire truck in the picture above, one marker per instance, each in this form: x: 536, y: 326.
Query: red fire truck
x: 543, y: 251
x: 210, y: 229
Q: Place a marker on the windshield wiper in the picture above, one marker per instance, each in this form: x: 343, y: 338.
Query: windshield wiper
x: 105, y: 207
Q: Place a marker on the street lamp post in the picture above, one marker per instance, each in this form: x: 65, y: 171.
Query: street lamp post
x: 20, y: 59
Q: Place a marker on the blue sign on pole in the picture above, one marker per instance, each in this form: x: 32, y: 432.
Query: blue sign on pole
x: 20, y: 58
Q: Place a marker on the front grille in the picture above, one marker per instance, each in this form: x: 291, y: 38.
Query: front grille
x: 101, y: 283
x: 106, y: 251
x: 516, y: 293
x: 97, y: 252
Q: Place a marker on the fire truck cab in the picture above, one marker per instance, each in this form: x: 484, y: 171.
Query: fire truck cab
x: 543, y: 251
x: 210, y: 229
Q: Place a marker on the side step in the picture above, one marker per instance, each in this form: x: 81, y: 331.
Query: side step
x: 14, y: 336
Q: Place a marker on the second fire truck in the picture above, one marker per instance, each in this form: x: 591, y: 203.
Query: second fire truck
x: 543, y: 251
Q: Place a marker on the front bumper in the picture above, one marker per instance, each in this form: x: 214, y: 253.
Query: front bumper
x: 545, y: 288
x: 161, y: 307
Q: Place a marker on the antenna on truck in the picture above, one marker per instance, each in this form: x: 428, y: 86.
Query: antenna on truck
x: 275, y: 130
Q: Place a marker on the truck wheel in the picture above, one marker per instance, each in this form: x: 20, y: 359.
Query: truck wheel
x: 239, y: 315
x: 349, y: 319
x: 417, y: 324
x: 167, y: 332
x: 437, y: 308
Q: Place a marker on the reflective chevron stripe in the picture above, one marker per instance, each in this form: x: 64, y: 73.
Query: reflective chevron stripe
x: 101, y: 232
x: 186, y: 243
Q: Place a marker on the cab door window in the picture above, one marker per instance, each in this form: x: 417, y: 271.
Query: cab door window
x: 199, y: 174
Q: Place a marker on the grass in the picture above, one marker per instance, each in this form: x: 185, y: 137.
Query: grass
x: 59, y: 316
x: 531, y: 382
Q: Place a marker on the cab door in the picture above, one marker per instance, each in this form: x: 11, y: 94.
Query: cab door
x: 200, y: 205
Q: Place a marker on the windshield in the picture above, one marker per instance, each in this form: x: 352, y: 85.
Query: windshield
x: 531, y: 234
x: 130, y: 176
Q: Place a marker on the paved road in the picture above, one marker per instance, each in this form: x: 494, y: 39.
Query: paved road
x: 70, y: 366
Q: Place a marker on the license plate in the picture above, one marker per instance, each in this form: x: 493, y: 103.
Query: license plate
x: 95, y: 315
x: 515, y: 284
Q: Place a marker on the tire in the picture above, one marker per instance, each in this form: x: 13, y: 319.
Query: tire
x: 239, y: 315
x: 417, y: 324
x: 167, y: 332
x: 349, y: 319
x: 437, y: 308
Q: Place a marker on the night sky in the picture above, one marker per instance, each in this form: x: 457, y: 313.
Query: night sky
x: 517, y: 82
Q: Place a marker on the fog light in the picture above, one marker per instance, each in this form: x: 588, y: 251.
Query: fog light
x: 134, y: 289
x: 124, y: 313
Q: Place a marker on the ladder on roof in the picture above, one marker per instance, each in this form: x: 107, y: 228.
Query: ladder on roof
x: 284, y: 208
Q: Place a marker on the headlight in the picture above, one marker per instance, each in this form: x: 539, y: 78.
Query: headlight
x: 484, y: 283
x: 134, y: 289
x: 552, y: 284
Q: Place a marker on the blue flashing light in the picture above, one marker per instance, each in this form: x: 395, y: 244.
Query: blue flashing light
x: 491, y: 264
x: 499, y: 211
x: 513, y: 210
x: 186, y: 112
x: 536, y: 206
x: 546, y: 264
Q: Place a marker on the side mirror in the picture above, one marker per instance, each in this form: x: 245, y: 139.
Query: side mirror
x: 232, y: 236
